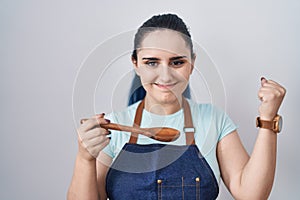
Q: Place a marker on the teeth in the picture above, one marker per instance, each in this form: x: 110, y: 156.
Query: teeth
x: 165, y: 84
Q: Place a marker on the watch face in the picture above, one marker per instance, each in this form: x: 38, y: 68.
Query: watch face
x: 279, y: 124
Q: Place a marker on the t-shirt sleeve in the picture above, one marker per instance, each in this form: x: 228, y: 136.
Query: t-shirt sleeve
x: 224, y: 123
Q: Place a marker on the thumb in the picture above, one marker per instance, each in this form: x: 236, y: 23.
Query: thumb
x: 263, y: 80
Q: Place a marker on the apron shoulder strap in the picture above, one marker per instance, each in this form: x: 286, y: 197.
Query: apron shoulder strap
x: 188, y: 123
x: 137, y: 121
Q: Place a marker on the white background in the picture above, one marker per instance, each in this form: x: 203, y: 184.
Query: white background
x: 43, y: 43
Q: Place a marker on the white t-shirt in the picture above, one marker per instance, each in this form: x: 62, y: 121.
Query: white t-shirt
x: 211, y: 125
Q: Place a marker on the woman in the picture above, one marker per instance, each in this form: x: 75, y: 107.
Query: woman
x: 143, y: 168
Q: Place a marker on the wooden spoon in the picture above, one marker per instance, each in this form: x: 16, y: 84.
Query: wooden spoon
x: 163, y: 134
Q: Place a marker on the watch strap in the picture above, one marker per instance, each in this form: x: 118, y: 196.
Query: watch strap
x: 265, y: 124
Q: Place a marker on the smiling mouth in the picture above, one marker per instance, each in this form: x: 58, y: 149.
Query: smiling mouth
x: 165, y: 86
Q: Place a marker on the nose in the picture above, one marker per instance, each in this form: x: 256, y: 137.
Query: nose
x: 165, y: 74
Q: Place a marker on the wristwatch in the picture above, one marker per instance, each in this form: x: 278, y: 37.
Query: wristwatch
x: 275, y: 125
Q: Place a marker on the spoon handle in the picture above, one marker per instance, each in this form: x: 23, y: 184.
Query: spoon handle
x: 120, y: 127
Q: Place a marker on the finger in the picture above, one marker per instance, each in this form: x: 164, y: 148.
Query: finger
x: 263, y: 92
x: 276, y: 85
x: 265, y: 82
x: 103, y: 144
x: 270, y: 89
x: 88, y: 125
x: 92, y: 123
x: 83, y: 120
x: 94, y: 151
x: 274, y: 90
x: 268, y: 93
x: 273, y: 82
x: 271, y: 85
x: 100, y: 115
x: 96, y: 132
x: 96, y: 116
x: 96, y: 141
x: 101, y: 120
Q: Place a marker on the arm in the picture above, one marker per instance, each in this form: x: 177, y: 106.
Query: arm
x: 103, y: 163
x: 92, y: 139
x: 252, y: 177
x: 84, y: 182
x: 248, y: 177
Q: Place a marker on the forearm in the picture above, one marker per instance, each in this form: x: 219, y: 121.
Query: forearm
x: 257, y: 177
x: 84, y: 181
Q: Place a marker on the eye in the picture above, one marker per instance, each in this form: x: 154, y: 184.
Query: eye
x: 177, y: 63
x: 151, y: 63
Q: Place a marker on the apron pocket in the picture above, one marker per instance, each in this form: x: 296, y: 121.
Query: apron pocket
x: 178, y: 188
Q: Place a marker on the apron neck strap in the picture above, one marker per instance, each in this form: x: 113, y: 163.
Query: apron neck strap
x: 188, y: 122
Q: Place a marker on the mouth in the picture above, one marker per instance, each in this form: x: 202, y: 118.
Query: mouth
x: 167, y: 86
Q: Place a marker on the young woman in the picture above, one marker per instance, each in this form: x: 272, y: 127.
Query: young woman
x: 130, y: 166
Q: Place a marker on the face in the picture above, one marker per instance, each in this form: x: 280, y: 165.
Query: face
x: 164, y: 64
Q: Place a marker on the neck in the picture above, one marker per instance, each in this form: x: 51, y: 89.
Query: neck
x: 163, y: 107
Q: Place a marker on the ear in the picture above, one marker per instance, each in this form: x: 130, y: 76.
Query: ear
x: 135, y: 65
x: 193, y: 62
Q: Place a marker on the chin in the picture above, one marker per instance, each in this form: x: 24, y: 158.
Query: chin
x: 163, y: 96
x: 166, y: 98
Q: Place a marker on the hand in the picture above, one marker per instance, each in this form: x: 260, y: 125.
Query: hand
x: 91, y: 137
x: 271, y: 95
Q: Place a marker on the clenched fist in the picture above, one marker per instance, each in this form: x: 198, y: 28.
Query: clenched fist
x: 91, y: 137
x: 271, y: 95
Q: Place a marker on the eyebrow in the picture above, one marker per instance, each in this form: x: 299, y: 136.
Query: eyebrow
x: 154, y: 58
x: 177, y: 57
x: 150, y: 58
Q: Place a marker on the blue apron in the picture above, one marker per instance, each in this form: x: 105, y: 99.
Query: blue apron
x: 160, y: 171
